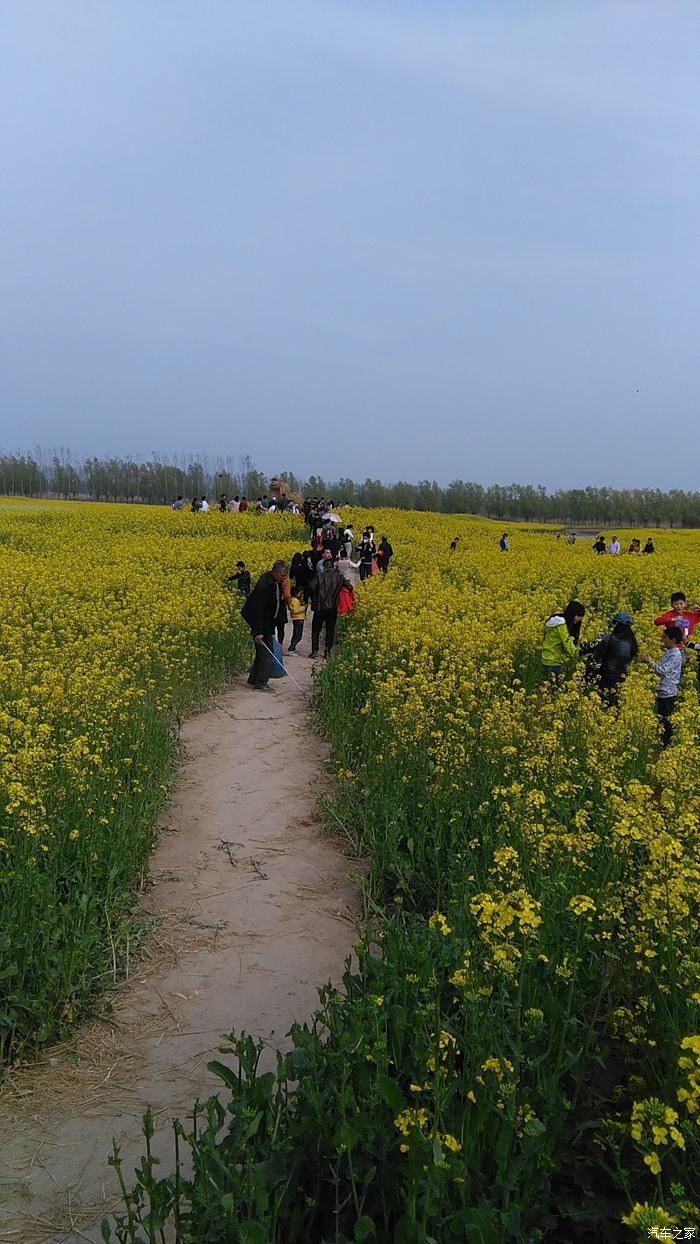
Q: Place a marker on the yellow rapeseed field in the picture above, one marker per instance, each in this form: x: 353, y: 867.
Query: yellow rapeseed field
x: 114, y: 621
x: 519, y: 1049
x: 551, y: 842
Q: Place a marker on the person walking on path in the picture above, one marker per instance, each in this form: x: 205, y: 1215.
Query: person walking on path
x: 261, y: 611
x: 281, y: 622
x: 367, y: 552
x: 297, y: 611
x: 325, y: 590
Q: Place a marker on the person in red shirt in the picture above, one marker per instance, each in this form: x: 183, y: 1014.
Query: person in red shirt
x: 682, y: 615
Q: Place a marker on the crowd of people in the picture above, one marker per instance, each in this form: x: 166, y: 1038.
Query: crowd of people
x: 609, y: 657
x: 319, y: 577
x: 239, y: 505
x: 614, y: 548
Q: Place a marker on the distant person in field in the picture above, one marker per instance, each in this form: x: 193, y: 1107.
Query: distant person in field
x: 682, y: 615
x: 261, y: 611
x: 649, y: 546
x: 244, y: 505
x: 635, y: 547
x: 196, y: 505
x: 178, y: 505
x: 503, y: 543
x: 241, y: 578
x: 204, y: 506
x: 614, y: 546
x: 599, y: 545
x: 384, y: 554
x: 235, y: 505
x: 453, y: 545
x: 223, y: 505
x: 560, y: 640
x: 571, y: 538
x: 669, y: 669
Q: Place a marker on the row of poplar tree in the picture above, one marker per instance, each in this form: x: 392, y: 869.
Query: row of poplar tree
x: 56, y: 473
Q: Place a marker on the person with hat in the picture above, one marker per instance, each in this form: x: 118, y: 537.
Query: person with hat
x: 612, y: 655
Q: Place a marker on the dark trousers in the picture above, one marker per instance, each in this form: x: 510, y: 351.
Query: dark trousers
x: 262, y: 665
x: 664, y: 709
x: 297, y: 632
x: 280, y: 632
x: 365, y: 571
x: 327, y: 617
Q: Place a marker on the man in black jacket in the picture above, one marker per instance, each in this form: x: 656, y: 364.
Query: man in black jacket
x: 324, y: 590
x: 384, y: 554
x: 261, y: 611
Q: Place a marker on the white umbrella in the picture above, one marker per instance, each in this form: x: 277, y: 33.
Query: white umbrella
x: 332, y: 518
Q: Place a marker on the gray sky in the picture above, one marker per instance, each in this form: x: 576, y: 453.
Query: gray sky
x: 353, y: 237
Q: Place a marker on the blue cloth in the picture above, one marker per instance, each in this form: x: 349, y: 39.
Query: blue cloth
x: 278, y: 670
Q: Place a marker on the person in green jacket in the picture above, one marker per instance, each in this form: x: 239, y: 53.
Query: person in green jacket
x: 561, y: 632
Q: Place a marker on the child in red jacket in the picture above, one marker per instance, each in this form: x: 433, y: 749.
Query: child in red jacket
x: 684, y: 616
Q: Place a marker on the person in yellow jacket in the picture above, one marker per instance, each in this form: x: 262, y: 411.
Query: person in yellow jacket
x: 297, y: 611
x: 561, y: 632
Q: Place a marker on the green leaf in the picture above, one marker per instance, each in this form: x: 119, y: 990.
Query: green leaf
x: 346, y: 1137
x: 482, y: 1226
x: 253, y: 1126
x: 227, y: 1074
x: 365, y: 1229
x: 390, y: 1092
x: 253, y: 1233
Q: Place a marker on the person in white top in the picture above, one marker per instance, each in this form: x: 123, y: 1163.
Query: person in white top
x: 614, y: 546
x: 204, y: 506
x: 235, y: 505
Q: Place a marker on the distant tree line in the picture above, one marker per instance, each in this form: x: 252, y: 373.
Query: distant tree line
x: 56, y: 473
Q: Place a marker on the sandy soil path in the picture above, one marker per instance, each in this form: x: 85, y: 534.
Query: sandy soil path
x: 255, y: 910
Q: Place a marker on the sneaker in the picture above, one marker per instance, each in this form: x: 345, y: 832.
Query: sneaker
x: 292, y: 652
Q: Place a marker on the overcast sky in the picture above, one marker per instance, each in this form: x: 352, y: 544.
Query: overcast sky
x: 419, y: 239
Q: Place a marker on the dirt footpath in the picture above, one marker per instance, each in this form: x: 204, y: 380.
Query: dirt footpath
x: 254, y: 909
